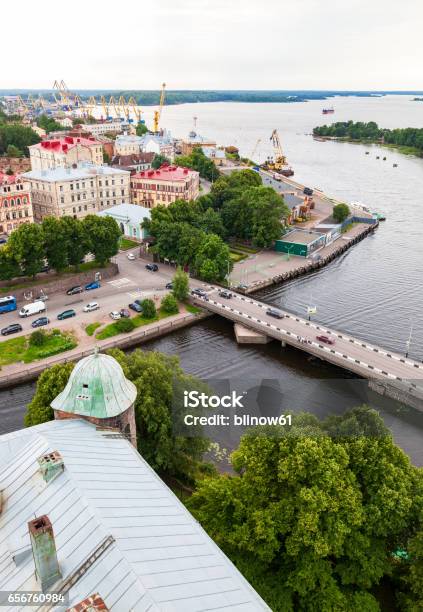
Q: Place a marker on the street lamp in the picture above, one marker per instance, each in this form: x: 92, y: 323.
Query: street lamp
x: 407, y: 344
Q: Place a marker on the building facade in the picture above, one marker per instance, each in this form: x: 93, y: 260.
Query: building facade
x: 77, y: 192
x: 160, y: 144
x: 133, y: 163
x: 130, y: 218
x: 64, y: 152
x: 15, y: 203
x: 152, y: 188
x: 100, y: 129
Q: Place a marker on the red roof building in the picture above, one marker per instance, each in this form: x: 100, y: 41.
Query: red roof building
x: 152, y: 188
x: 15, y: 203
x: 64, y: 152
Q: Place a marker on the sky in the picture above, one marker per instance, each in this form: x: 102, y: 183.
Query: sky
x: 213, y: 44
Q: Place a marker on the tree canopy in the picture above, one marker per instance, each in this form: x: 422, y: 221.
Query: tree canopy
x: 199, y: 162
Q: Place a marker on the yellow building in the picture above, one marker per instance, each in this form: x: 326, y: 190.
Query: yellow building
x: 152, y: 188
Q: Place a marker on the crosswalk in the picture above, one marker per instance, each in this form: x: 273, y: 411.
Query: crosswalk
x: 119, y: 283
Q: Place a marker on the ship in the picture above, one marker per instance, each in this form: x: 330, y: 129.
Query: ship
x: 328, y: 111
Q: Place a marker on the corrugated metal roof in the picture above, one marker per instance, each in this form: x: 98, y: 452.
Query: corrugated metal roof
x: 159, y: 559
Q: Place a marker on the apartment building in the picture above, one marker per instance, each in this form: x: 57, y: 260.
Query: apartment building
x: 15, y: 202
x: 64, y: 152
x: 100, y: 129
x: 133, y: 163
x: 128, y: 144
x: 152, y: 188
x: 77, y: 192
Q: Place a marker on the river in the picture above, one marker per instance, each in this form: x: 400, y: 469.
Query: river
x: 373, y: 291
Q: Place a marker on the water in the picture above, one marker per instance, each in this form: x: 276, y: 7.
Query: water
x: 373, y: 291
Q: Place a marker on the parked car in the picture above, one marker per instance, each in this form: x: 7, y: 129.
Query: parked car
x: 225, y: 294
x: 308, y: 191
x: 124, y: 313
x: 273, y: 312
x: 66, y: 314
x: 131, y: 256
x: 93, y: 285
x: 33, y: 308
x: 199, y: 292
x: 325, y: 339
x: 115, y: 315
x: 40, y: 322
x: 13, y: 328
x: 74, y: 290
x: 91, y: 306
x: 42, y: 297
x: 152, y: 267
x: 136, y: 307
x: 169, y: 285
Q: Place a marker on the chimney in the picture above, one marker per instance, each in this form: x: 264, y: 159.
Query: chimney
x: 44, y: 551
x: 51, y: 465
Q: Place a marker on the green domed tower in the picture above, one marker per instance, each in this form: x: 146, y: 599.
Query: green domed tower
x: 98, y: 391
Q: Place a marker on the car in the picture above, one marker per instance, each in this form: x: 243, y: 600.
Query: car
x: 40, y: 322
x: 115, y: 315
x: 131, y: 256
x: 325, y: 339
x: 42, y: 297
x: 124, y: 313
x: 199, y: 292
x: 169, y: 285
x: 74, y: 290
x: 152, y: 267
x: 91, y: 306
x: 139, y: 302
x: 308, y: 191
x: 273, y: 312
x: 93, y: 285
x: 225, y: 294
x: 66, y: 314
x: 11, y: 329
x: 45, y: 268
x: 135, y: 306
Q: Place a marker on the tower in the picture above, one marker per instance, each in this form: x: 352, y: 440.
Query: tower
x: 98, y: 391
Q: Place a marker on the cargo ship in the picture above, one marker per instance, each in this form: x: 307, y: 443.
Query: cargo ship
x: 328, y: 111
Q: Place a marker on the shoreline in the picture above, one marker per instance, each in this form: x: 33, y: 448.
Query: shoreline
x: 404, y: 150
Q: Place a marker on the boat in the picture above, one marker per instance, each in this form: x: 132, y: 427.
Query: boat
x: 384, y: 159
x: 395, y: 165
x: 328, y: 111
x: 379, y: 216
x: 367, y: 152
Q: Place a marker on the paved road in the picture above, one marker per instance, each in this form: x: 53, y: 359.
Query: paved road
x: 355, y: 355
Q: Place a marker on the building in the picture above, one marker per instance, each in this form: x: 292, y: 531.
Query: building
x: 64, y: 152
x: 300, y: 242
x: 83, y: 514
x: 100, y: 129
x: 129, y: 217
x: 38, y: 130
x: 77, y: 192
x: 65, y: 122
x: 195, y: 141
x: 129, y: 144
x: 136, y: 162
x: 216, y: 155
x: 151, y: 188
x: 15, y: 203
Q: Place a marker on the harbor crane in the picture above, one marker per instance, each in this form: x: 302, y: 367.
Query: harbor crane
x: 278, y: 162
x: 158, y: 113
x: 255, y: 149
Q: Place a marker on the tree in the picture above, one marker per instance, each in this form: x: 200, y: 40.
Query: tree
x: 38, y: 338
x: 9, y: 266
x: 125, y: 325
x: 26, y: 243
x: 102, y: 234
x: 213, y: 261
x: 313, y: 509
x: 20, y: 136
x: 141, y: 129
x: 180, y: 285
x: 148, y: 309
x: 340, y: 212
x: 169, y: 305
x: 269, y: 214
x: 49, y: 384
x: 211, y: 223
x: 56, y: 244
x: 159, y: 160
x: 49, y: 124
x: 199, y: 162
x: 13, y: 151
x: 76, y: 243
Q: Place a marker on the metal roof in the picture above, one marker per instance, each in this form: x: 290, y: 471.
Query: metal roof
x: 130, y: 212
x: 97, y: 387
x: 119, y: 530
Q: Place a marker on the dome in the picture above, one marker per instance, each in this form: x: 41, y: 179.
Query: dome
x: 97, y: 387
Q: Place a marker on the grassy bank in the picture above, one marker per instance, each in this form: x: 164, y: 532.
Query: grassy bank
x: 125, y: 244
x: 21, y: 350
x: 113, y: 328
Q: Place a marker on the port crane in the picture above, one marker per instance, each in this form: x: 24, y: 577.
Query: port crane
x: 255, y: 149
x: 158, y: 113
x: 278, y: 162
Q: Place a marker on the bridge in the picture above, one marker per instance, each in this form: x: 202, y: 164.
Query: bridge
x: 389, y: 373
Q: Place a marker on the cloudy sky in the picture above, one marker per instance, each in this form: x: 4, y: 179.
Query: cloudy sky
x: 213, y: 44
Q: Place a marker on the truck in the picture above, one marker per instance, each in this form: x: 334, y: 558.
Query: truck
x: 32, y: 309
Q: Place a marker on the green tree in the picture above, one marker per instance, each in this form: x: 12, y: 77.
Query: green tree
x: 125, y: 325
x: 159, y: 160
x: 199, y: 162
x: 141, y: 129
x: 211, y: 223
x: 340, y: 212
x: 20, y: 136
x: 103, y: 235
x: 38, y: 338
x: 180, y: 285
x: 56, y: 244
x: 169, y: 304
x: 49, y: 124
x: 269, y: 215
x: 9, y: 266
x: 26, y: 244
x: 76, y: 244
x: 13, y: 151
x: 49, y: 384
x: 148, y: 309
x: 213, y: 261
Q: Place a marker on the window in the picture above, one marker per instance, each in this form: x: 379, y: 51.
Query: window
x: 62, y: 200
x: 61, y: 188
x: 73, y: 198
x: 71, y: 186
x: 77, y: 185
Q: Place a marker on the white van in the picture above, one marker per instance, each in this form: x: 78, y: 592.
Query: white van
x: 32, y: 309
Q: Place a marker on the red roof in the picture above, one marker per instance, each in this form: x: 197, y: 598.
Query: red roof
x: 8, y: 179
x: 66, y: 143
x: 166, y: 173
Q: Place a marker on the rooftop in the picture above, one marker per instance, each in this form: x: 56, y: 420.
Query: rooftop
x: 119, y: 531
x: 7, y: 179
x: 130, y: 212
x: 83, y: 170
x: 301, y: 237
x: 133, y: 159
x: 166, y: 173
x: 62, y: 145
